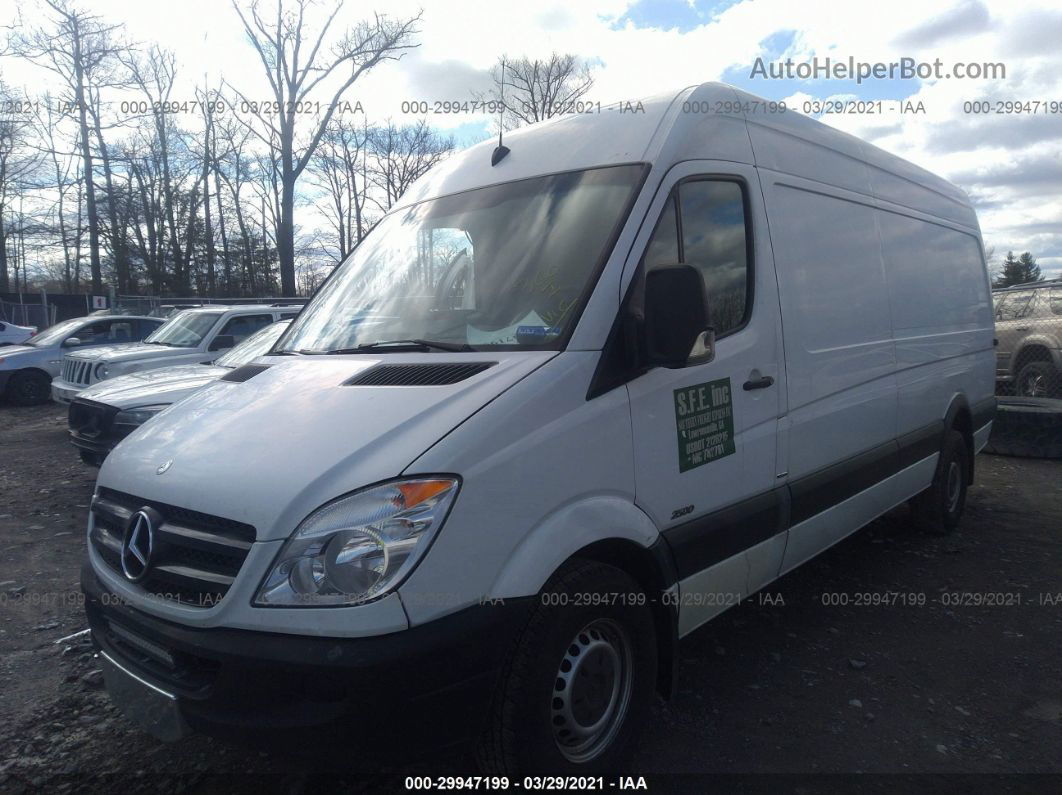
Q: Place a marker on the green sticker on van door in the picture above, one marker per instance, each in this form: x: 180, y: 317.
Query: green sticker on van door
x: 704, y: 416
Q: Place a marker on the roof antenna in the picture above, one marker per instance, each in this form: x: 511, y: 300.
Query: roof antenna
x: 501, y: 150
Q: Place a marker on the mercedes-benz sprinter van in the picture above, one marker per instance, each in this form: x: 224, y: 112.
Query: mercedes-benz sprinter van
x: 572, y: 398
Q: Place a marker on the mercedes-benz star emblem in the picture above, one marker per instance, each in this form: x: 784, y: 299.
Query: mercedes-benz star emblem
x: 138, y: 544
x: 163, y: 467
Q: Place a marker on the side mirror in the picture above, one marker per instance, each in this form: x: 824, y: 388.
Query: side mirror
x: 676, y: 317
x: 222, y: 341
x: 71, y: 342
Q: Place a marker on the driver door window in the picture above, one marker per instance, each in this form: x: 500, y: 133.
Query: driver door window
x: 95, y: 333
x: 703, y: 225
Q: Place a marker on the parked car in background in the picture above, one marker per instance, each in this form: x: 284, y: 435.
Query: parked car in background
x: 194, y: 336
x: 1029, y: 330
x: 10, y: 334
x: 103, y: 415
x: 26, y: 371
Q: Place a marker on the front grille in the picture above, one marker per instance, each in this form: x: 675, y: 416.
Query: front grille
x: 91, y: 421
x: 195, y: 557
x: 77, y: 371
x: 179, y: 670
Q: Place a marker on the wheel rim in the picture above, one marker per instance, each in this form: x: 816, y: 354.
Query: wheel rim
x: 954, y: 486
x: 1034, y: 385
x: 592, y: 690
x: 30, y: 390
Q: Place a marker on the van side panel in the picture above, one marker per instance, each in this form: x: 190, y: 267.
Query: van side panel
x: 941, y: 314
x: 840, y: 359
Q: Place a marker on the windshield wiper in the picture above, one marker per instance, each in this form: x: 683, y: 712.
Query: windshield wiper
x: 425, y: 345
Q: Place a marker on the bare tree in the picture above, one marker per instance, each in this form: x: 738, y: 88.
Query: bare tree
x: 80, y: 49
x: 531, y: 90
x: 340, y: 168
x: 65, y: 171
x: 299, y: 70
x: 17, y: 165
x: 401, y: 155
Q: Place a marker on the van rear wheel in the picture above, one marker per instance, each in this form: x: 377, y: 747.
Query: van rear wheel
x: 939, y: 508
x: 577, y: 681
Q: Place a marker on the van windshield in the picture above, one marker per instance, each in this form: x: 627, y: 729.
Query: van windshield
x: 185, y: 330
x: 506, y: 265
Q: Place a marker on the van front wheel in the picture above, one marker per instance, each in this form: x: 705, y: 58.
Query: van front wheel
x: 578, y: 680
x: 939, y: 508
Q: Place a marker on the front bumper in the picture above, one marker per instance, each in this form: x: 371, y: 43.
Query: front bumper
x: 64, y: 392
x: 428, y: 687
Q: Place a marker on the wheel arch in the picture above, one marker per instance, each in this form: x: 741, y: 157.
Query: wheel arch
x: 960, y: 418
x: 607, y: 529
x: 1032, y: 349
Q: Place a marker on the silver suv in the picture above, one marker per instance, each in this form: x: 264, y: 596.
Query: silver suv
x: 190, y: 337
x: 1029, y: 330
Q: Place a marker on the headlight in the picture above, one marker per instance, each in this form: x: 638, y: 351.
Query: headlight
x: 138, y: 415
x: 101, y: 371
x: 360, y: 546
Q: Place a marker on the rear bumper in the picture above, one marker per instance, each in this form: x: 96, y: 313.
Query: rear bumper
x: 428, y: 687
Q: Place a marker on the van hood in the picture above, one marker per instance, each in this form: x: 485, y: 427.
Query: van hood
x: 127, y: 351
x: 269, y: 450
x: 153, y: 387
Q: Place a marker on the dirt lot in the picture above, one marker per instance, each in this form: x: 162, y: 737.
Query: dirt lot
x: 783, y: 684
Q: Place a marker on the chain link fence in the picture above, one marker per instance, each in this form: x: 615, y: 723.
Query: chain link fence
x: 1028, y: 370
x: 34, y: 315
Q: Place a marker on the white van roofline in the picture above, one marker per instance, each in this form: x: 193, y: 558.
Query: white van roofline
x: 692, y: 124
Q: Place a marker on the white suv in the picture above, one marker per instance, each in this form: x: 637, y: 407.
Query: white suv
x: 190, y: 337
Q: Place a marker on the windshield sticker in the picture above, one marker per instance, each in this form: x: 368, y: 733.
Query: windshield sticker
x: 704, y: 417
x: 536, y: 333
x: 505, y: 336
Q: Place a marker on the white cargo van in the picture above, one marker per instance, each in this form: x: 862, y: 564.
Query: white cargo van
x: 571, y: 399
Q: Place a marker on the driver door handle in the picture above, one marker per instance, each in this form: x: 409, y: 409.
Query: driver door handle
x: 758, y: 383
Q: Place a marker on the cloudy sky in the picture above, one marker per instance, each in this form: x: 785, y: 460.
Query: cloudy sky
x: 1010, y: 164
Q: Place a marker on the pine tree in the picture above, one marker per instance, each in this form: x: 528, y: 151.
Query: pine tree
x: 1018, y: 271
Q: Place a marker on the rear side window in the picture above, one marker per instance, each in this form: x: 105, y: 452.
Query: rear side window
x: 1014, y: 306
x: 704, y: 225
x: 1054, y: 300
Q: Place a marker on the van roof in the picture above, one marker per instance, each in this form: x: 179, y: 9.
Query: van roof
x: 710, y: 121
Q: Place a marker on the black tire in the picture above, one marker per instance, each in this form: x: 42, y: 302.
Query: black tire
x: 939, y: 508
x: 29, y: 388
x: 531, y: 709
x: 92, y: 459
x: 1038, y: 380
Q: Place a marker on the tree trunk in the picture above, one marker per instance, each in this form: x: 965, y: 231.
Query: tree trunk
x: 5, y: 285
x: 86, y: 158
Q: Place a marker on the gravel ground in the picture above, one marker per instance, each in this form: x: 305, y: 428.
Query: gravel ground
x: 829, y: 672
